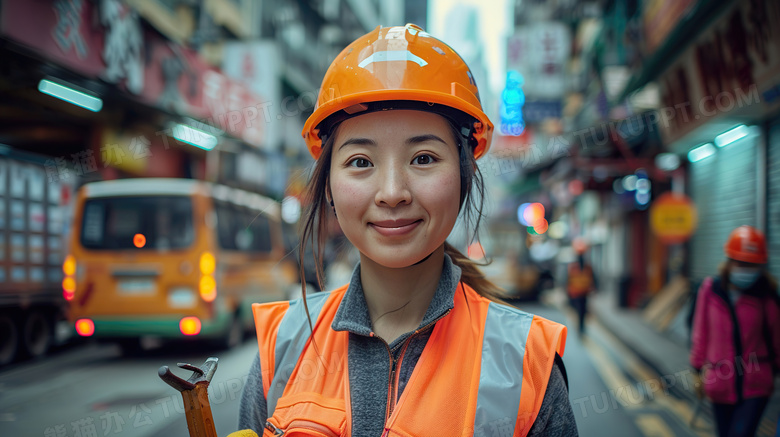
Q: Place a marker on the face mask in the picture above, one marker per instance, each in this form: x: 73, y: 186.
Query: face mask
x: 744, y: 277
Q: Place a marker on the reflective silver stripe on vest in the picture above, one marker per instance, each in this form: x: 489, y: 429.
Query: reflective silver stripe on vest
x: 291, y: 337
x: 501, y: 374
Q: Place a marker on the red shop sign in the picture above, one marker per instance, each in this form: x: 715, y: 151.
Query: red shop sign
x: 107, y: 42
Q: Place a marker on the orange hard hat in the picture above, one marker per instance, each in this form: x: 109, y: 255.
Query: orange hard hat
x: 747, y: 244
x: 399, y: 68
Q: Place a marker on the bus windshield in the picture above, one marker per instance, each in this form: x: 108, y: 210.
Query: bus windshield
x: 112, y: 223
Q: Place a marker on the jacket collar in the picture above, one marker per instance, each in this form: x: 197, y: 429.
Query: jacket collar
x: 352, y: 314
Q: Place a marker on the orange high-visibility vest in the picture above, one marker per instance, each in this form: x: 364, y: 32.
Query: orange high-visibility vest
x: 580, y: 280
x: 484, y: 370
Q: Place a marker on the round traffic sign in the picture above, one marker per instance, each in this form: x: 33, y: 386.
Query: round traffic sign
x: 673, y: 217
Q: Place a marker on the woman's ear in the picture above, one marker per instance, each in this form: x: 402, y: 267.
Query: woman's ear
x: 328, y: 194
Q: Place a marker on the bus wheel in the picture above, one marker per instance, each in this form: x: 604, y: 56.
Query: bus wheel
x: 9, y: 339
x: 37, y: 334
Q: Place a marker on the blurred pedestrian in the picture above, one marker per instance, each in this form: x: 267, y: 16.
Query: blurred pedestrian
x: 419, y: 342
x: 580, y: 282
x: 736, y: 335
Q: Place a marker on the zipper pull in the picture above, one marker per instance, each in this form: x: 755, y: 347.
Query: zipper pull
x: 271, y: 427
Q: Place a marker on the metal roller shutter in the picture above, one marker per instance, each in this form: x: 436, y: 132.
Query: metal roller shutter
x: 723, y: 186
x: 773, y: 197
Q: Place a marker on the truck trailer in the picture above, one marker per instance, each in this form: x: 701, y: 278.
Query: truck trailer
x: 33, y: 224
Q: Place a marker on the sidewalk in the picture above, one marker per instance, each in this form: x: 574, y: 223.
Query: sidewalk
x: 662, y: 353
x: 666, y: 353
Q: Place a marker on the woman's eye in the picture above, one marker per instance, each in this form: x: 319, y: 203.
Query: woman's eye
x: 360, y: 163
x: 423, y: 160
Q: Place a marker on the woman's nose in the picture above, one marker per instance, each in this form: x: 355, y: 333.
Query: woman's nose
x: 393, y: 188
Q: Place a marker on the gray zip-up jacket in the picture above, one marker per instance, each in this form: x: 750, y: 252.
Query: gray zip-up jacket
x: 369, y: 368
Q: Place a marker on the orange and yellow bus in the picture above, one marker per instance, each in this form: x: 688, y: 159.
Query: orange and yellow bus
x: 172, y: 259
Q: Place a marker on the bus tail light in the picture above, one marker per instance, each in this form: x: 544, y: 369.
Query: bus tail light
x: 207, y: 263
x: 69, y: 266
x: 189, y: 326
x: 68, y: 283
x: 208, y: 288
x: 68, y: 288
x: 85, y: 327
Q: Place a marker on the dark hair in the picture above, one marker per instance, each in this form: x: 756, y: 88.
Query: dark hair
x: 315, y: 223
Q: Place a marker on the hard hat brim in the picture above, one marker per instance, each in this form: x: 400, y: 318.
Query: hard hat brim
x: 482, y: 129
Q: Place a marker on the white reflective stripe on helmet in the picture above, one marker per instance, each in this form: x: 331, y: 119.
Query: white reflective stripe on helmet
x: 291, y: 337
x: 501, y: 373
x: 392, y: 55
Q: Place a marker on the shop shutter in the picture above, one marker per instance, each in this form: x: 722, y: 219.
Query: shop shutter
x: 723, y: 186
x: 773, y: 197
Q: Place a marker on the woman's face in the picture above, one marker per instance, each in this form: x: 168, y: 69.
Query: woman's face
x: 743, y: 274
x: 395, y: 184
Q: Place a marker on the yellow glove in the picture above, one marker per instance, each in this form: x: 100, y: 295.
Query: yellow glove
x: 243, y: 433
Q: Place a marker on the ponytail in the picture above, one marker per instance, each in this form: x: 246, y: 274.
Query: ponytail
x: 473, y: 276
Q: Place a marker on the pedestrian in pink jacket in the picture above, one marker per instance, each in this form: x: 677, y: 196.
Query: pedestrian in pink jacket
x: 736, y: 335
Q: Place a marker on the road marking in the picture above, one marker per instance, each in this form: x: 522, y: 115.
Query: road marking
x: 614, y: 379
x: 610, y: 373
x: 680, y: 409
x: 644, y: 378
x: 633, y: 364
x: 767, y: 427
x: 652, y: 425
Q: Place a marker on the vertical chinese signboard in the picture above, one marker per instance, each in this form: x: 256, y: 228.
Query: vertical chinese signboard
x: 539, y: 52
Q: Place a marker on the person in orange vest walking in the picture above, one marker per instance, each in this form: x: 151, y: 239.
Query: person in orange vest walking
x: 735, y: 340
x: 418, y: 343
x: 580, y: 282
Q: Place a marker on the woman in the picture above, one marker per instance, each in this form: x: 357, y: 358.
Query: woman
x: 736, y: 335
x: 418, y: 343
x: 580, y: 282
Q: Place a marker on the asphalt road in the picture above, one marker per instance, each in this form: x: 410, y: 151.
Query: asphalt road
x: 91, y: 390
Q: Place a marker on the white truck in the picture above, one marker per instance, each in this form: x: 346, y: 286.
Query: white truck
x: 33, y: 224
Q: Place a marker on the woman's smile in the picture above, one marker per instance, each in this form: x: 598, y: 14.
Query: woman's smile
x: 392, y: 228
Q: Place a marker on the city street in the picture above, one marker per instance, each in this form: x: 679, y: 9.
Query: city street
x: 90, y: 390
x: 612, y: 392
x: 166, y: 164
